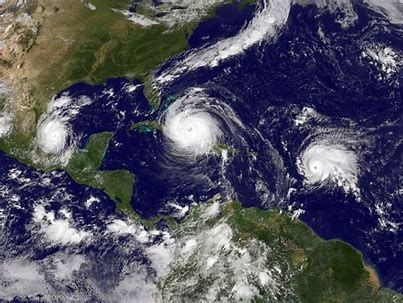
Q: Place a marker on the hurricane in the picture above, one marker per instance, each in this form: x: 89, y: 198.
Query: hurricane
x: 327, y: 162
x: 196, y: 122
x: 5, y: 124
x: 54, y: 133
x: 52, y: 136
x: 215, y: 162
x: 194, y: 131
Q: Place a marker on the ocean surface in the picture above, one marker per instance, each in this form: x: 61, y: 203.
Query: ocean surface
x: 313, y: 63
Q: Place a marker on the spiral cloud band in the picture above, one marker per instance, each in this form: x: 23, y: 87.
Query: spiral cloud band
x: 194, y: 123
x: 54, y: 134
x: 323, y: 162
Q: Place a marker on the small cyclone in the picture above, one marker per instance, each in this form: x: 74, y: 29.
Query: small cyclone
x: 54, y: 134
x: 196, y: 122
x: 330, y: 160
x: 5, y: 124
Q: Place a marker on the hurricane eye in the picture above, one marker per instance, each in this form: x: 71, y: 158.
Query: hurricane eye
x: 196, y: 122
x: 322, y: 162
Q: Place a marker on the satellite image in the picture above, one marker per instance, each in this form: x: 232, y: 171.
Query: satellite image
x: 201, y: 151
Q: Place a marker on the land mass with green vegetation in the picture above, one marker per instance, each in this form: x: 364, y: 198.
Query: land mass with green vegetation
x: 330, y: 271
x: 271, y: 256
x: 146, y: 126
x: 77, y: 44
x: 84, y: 169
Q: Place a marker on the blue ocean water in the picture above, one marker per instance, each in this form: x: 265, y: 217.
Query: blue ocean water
x: 272, y: 81
x: 30, y: 186
x: 227, y: 22
x: 267, y: 87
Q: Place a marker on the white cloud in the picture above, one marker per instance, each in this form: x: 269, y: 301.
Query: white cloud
x: 267, y: 21
x: 392, y: 9
x: 388, y: 60
x: 54, y: 134
x: 121, y: 227
x: 91, y: 200
x: 211, y: 211
x: 135, y: 287
x: 21, y: 278
x: 195, y: 122
x: 136, y: 18
x: 266, y: 24
x: 67, y: 265
x: 233, y: 271
x: 327, y: 160
x: 57, y: 231
x: 5, y: 124
x: 61, y: 232
x: 162, y: 254
x: 305, y: 115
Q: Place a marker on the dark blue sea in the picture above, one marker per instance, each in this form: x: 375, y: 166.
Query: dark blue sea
x: 267, y: 87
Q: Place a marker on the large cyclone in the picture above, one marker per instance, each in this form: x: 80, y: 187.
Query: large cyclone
x: 196, y: 122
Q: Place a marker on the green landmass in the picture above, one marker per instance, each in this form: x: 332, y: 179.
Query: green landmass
x: 106, y: 45
x: 304, y: 267
x: 220, y: 147
x: 333, y: 271
x: 77, y: 44
x: 146, y: 126
x: 84, y: 167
